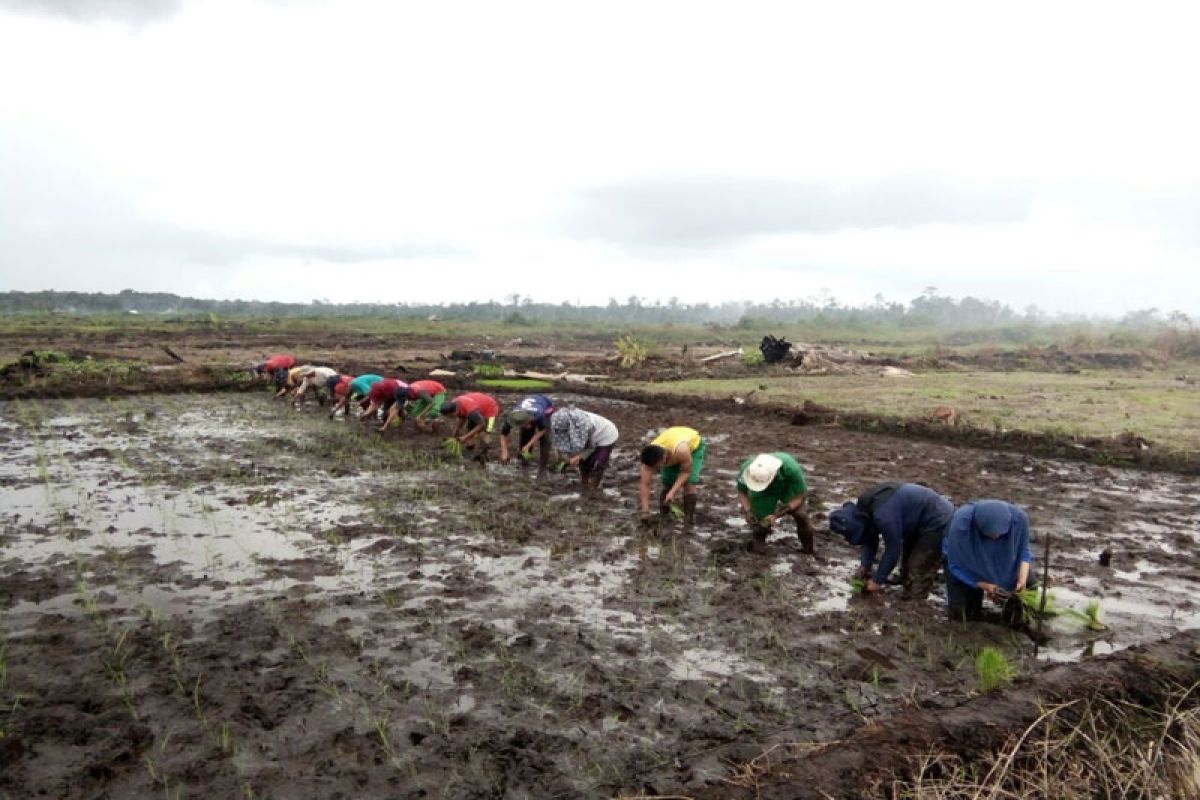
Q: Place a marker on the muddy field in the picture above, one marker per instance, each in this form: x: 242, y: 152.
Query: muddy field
x: 220, y: 596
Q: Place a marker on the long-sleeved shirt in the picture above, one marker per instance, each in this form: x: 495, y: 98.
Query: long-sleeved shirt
x: 972, y: 556
x: 578, y: 431
x: 908, y: 512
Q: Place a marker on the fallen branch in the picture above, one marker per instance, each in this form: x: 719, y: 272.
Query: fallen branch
x: 718, y: 356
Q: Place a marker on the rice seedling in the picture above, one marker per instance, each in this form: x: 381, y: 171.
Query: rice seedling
x: 994, y: 669
x: 1090, y: 616
x: 452, y: 446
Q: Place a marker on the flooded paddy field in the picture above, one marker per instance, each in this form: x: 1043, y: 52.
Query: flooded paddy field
x: 220, y: 595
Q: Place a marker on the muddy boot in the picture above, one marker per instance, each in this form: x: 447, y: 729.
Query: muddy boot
x: 689, y: 512
x: 804, y: 533
x: 664, y: 510
x: 758, y: 544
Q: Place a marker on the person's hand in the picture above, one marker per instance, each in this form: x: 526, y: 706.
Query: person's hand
x: 573, y: 461
x: 768, y: 521
x: 872, y: 586
x: 504, y: 459
x: 669, y: 497
x: 750, y: 518
x: 991, y: 590
x: 862, y: 572
x: 1020, y: 587
x: 647, y: 519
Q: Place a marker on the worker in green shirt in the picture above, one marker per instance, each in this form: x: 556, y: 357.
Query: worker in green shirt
x: 770, y: 486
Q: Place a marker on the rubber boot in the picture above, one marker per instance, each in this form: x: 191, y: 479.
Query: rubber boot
x: 758, y: 544
x: 804, y: 533
x: 689, y: 511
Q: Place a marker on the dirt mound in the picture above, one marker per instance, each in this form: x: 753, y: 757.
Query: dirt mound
x: 864, y: 764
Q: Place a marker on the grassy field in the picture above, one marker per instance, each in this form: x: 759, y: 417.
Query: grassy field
x: 1154, y: 405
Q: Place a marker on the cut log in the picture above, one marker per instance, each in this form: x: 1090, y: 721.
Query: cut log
x: 718, y: 356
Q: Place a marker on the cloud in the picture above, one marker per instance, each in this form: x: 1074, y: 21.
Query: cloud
x: 705, y: 210
x: 133, y: 12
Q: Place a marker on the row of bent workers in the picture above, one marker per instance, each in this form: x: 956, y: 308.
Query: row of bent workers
x: 983, y: 546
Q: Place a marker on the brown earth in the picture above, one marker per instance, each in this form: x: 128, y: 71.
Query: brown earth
x: 217, y: 595
x: 217, y: 360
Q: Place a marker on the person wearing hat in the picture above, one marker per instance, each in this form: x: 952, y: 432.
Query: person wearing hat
x: 311, y: 379
x: 587, y: 441
x: 293, y: 378
x: 678, y: 453
x: 770, y: 486
x: 476, y: 413
x: 910, y: 519
x: 987, y: 552
x: 530, y: 418
x: 356, y: 390
x: 381, y: 397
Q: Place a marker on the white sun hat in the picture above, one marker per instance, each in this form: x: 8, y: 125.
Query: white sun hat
x: 761, y: 472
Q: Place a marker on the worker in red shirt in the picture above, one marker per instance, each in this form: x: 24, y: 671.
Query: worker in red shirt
x: 476, y: 413
x: 276, y: 368
x: 423, y: 401
x: 382, y: 396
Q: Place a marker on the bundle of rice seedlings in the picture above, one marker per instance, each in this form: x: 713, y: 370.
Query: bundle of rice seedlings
x: 1090, y: 616
x: 452, y: 446
x: 994, y: 669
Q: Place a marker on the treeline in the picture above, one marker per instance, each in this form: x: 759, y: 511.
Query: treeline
x: 929, y: 310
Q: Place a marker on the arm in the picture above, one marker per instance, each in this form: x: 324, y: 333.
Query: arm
x: 685, y: 470
x: 888, y: 522
x: 1022, y: 577
x: 393, y: 412
x: 1022, y: 529
x: 537, y: 435
x: 790, y: 507
x: 428, y: 401
x: 644, y: 488
x: 504, y: 443
x: 744, y: 501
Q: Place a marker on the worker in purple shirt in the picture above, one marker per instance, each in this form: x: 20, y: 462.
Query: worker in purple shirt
x: 910, y: 520
x: 531, y: 419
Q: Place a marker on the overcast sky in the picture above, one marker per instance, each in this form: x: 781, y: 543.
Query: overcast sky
x: 1044, y: 153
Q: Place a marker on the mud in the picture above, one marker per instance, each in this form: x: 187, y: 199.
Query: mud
x: 218, y: 595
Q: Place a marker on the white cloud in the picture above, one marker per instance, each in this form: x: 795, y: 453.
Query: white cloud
x: 439, y: 147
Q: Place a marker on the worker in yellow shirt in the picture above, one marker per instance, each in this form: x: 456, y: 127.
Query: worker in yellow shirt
x: 677, y: 453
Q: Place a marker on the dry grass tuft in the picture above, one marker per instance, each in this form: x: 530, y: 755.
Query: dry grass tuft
x: 1097, y: 747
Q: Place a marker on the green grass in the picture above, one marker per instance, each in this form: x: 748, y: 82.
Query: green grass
x: 1091, y: 403
x: 994, y: 669
x: 515, y: 383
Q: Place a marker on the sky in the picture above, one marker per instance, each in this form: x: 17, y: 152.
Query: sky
x: 1034, y: 153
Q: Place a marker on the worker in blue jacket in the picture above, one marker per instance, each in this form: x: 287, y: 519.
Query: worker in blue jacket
x: 911, y: 520
x: 987, y: 552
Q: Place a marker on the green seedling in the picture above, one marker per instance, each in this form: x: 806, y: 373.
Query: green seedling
x: 994, y: 669
x: 676, y: 511
x: 1090, y: 616
x: 857, y: 586
x: 452, y: 446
